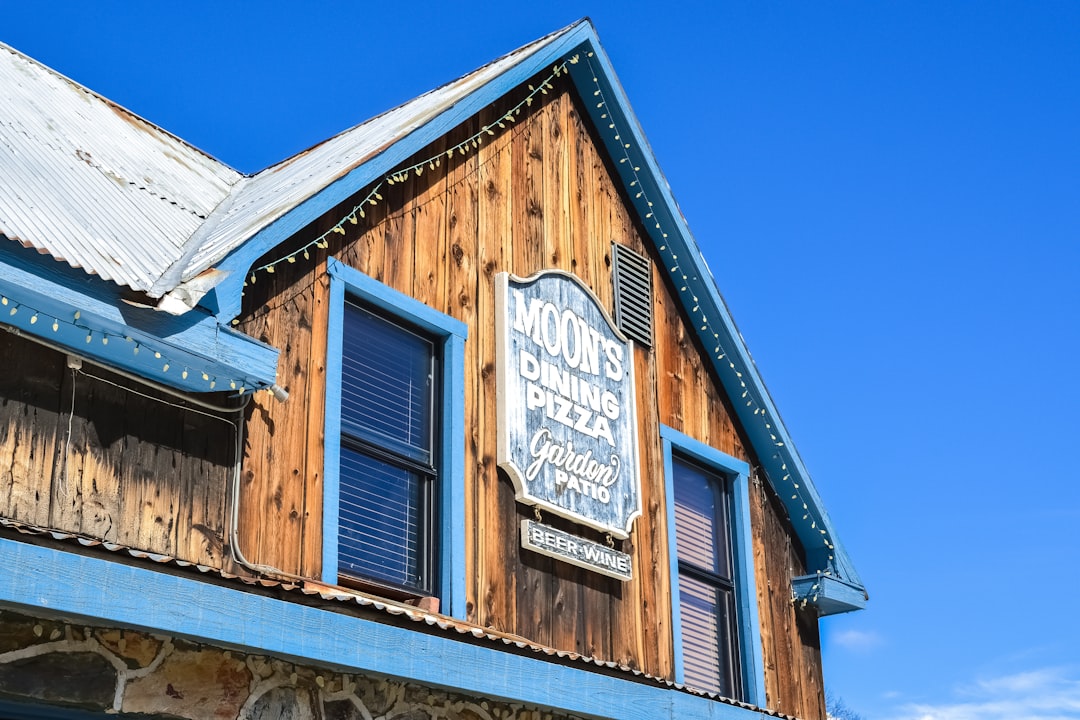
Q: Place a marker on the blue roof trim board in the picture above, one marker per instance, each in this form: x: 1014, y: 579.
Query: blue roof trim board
x: 648, y: 189
x: 645, y: 185
x: 220, y: 614
x: 83, y: 316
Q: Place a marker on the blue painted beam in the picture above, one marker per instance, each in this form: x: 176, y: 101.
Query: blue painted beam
x: 829, y: 595
x: 85, y: 316
x: 98, y: 591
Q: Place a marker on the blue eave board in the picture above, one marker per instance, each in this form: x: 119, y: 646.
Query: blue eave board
x: 39, y: 579
x: 85, y: 316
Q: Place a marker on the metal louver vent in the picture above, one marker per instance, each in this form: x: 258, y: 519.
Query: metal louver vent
x: 632, y: 275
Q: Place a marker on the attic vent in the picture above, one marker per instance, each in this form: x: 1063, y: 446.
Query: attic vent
x: 632, y: 274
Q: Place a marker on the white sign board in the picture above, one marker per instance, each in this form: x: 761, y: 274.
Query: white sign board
x: 567, y: 407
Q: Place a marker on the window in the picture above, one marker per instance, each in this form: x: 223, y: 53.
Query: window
x: 717, y: 636
x: 394, y: 462
x: 706, y: 585
x: 386, y: 510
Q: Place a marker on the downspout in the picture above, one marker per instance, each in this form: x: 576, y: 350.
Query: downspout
x: 234, y: 524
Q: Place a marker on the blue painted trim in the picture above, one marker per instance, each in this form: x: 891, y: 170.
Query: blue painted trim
x: 332, y: 434
x: 242, y: 258
x: 345, y: 280
x: 37, y: 581
x: 452, y: 527
x: 673, y: 557
x: 45, y: 294
x: 777, y: 456
x: 827, y: 594
x: 738, y: 472
x: 387, y: 298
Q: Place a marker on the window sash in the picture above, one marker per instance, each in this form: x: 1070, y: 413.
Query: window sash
x: 702, y: 519
x: 707, y: 613
x: 707, y: 604
x: 387, y: 475
x: 384, y: 521
x: 387, y: 385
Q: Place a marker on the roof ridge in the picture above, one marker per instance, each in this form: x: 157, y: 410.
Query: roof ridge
x: 116, y: 106
x: 303, y: 184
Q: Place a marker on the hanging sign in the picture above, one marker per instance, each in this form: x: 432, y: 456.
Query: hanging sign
x: 578, y: 551
x: 566, y: 402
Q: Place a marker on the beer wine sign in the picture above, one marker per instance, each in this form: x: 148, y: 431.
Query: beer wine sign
x: 567, y: 414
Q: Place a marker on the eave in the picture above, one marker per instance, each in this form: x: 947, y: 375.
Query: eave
x: 38, y: 579
x: 86, y: 317
x: 828, y: 595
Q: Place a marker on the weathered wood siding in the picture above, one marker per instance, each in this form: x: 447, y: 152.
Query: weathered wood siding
x: 90, y: 457
x: 537, y: 195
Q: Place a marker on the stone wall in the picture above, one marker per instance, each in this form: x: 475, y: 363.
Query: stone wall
x: 126, y: 672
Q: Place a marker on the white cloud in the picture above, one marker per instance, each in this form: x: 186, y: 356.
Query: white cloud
x: 1043, y: 694
x: 857, y: 640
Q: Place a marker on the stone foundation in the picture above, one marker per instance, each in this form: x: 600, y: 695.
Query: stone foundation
x: 125, y: 672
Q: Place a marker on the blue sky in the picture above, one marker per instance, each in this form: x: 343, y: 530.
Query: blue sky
x: 888, y: 194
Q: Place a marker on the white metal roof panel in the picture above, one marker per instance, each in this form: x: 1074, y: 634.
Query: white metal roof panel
x: 91, y: 184
x: 272, y: 193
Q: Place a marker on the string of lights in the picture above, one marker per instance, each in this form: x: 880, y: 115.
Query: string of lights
x: 167, y: 363
x: 640, y: 195
x: 358, y: 212
x: 646, y: 204
x: 374, y: 195
x: 706, y: 324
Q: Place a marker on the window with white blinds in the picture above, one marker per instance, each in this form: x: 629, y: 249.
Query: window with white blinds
x: 707, y: 603
x: 387, y: 473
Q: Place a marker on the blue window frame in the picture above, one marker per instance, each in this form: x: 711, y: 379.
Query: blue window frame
x: 714, y: 613
x: 394, y: 496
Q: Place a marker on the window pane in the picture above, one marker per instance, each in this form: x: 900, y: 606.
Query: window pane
x: 701, y: 520
x: 386, y: 384
x: 381, y: 516
x: 706, y: 582
x: 705, y: 612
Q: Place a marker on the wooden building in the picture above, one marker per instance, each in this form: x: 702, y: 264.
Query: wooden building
x: 443, y: 417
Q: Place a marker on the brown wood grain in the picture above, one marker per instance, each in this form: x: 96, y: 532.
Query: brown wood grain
x: 33, y: 414
x: 493, y: 517
x: 533, y: 247
x: 312, y: 482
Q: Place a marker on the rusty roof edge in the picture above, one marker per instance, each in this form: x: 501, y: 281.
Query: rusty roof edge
x: 174, y: 276
x: 344, y: 596
x: 118, y: 107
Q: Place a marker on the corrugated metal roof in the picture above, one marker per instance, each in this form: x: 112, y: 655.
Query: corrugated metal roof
x: 270, y: 194
x: 94, y: 185
x: 98, y: 187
